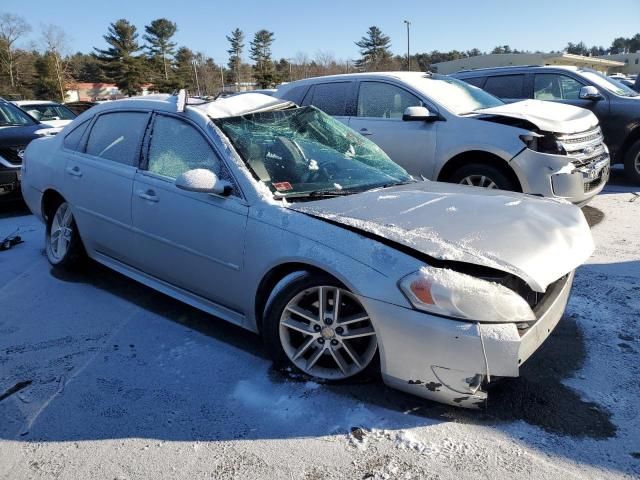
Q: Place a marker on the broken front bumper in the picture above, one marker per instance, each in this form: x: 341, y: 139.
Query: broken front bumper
x: 556, y: 176
x: 445, y: 360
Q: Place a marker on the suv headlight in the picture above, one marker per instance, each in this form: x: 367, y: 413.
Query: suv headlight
x: 453, y: 294
x: 546, y: 143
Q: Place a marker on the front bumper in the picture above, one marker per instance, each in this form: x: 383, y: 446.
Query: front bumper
x: 555, y: 176
x: 443, y: 359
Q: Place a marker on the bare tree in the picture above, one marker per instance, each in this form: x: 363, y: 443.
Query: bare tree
x: 12, y: 28
x: 55, y: 42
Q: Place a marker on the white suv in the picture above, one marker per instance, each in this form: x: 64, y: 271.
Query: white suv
x: 444, y: 129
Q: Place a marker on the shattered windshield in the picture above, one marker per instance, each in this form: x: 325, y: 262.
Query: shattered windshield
x: 304, y: 152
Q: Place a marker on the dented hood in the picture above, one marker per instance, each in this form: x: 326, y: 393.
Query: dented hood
x: 539, y: 240
x: 547, y: 116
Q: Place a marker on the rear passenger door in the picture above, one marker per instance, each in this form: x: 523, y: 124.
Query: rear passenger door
x: 380, y: 107
x: 100, y: 164
x: 510, y: 88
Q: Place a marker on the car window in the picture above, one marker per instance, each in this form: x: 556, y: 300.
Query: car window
x: 47, y: 112
x: 475, y: 81
x: 331, y: 98
x: 72, y: 139
x: 506, y: 86
x: 551, y: 86
x: 383, y: 100
x: 11, y: 116
x: 116, y: 136
x: 176, y: 147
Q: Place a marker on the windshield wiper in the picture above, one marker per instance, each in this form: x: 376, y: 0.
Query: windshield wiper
x: 318, y: 194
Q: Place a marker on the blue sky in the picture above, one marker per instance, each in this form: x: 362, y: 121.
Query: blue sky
x: 333, y: 26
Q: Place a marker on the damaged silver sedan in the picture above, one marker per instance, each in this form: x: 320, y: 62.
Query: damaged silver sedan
x: 286, y: 222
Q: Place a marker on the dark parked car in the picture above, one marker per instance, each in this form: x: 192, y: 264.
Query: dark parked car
x: 17, y: 129
x: 79, y: 107
x: 616, y: 105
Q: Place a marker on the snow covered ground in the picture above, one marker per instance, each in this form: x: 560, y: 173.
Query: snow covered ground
x: 101, y: 377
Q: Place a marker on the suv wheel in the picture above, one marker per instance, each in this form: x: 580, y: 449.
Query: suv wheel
x: 479, y: 175
x: 632, y: 163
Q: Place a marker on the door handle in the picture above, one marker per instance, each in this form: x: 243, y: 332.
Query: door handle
x: 149, y: 195
x: 75, y: 171
x: 365, y: 132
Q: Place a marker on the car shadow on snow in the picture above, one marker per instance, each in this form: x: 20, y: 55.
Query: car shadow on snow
x: 537, y: 397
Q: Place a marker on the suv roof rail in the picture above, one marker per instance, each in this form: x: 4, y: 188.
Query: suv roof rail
x: 503, y: 67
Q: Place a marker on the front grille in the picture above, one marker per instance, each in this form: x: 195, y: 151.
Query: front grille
x: 590, y: 136
x: 593, y: 184
x: 12, y: 155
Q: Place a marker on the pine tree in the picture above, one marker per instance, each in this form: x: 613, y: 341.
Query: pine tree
x: 160, y: 48
x: 119, y: 60
x: 374, y: 50
x: 260, y: 53
x: 184, y: 75
x: 236, y: 42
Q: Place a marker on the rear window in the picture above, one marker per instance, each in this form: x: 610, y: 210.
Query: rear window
x: 72, y: 139
x: 331, y: 98
x: 117, y: 136
x: 506, y: 86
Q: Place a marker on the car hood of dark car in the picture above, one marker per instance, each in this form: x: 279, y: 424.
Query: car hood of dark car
x: 21, y: 135
x: 539, y: 240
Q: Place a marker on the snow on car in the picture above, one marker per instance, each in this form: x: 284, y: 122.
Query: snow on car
x: 286, y: 222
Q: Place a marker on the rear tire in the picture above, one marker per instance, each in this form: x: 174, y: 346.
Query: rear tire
x: 481, y: 175
x: 632, y: 163
x: 62, y: 241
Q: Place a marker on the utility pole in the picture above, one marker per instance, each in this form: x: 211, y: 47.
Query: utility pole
x: 408, y: 49
x: 222, y: 77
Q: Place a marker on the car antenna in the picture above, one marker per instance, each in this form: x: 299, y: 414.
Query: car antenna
x: 181, y: 100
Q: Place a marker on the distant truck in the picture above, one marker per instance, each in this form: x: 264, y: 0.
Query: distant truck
x: 616, y: 105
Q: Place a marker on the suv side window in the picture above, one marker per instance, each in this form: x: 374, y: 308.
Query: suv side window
x: 383, y: 100
x: 506, y: 86
x: 331, y: 98
x: 117, y: 136
x: 553, y: 86
x: 72, y: 139
x: 176, y: 147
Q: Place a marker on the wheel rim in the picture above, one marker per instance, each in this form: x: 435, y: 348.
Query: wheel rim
x: 326, y: 332
x: 61, y: 232
x: 478, y: 181
x: 636, y: 164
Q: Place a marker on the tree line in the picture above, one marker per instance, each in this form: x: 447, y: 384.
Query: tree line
x: 45, y: 68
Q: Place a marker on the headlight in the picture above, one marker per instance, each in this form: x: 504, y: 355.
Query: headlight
x: 454, y: 294
x: 542, y: 143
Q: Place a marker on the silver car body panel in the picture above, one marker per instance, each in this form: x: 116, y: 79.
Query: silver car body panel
x: 424, y: 149
x: 218, y: 264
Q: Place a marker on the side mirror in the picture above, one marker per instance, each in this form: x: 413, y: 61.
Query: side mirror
x: 203, y: 181
x: 418, y: 114
x: 590, y: 92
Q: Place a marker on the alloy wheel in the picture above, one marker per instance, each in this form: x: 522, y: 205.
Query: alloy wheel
x: 636, y: 163
x: 61, y: 232
x: 326, y: 333
x: 478, y: 181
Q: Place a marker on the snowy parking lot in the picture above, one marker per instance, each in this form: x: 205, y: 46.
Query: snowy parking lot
x: 101, y: 377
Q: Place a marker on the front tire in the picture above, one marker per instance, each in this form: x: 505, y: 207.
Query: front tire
x: 480, y: 175
x: 320, y: 328
x: 62, y: 242
x: 632, y: 163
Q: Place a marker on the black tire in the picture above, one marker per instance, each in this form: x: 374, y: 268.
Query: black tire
x: 75, y: 254
x: 495, y: 175
x: 632, y: 163
x: 271, y: 327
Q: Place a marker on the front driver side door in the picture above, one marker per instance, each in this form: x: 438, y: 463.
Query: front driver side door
x: 380, y: 108
x: 192, y: 240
